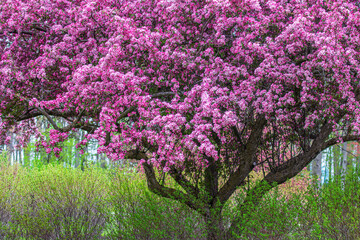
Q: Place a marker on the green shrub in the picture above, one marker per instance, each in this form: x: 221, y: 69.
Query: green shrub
x: 53, y: 202
x: 140, y: 214
x: 333, y: 211
x: 273, y: 218
x: 58, y: 203
x: 9, y: 185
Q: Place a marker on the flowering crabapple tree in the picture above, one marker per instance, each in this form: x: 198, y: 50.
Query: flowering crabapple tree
x: 199, y: 90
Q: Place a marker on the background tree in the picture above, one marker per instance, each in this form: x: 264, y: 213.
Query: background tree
x: 316, y: 169
x: 202, y: 91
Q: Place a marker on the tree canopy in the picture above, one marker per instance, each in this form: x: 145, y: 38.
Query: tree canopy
x: 201, y: 90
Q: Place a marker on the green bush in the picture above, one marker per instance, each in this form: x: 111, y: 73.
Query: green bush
x: 140, y: 214
x: 333, y: 211
x: 9, y: 185
x: 273, y: 218
x: 53, y: 202
x: 58, y: 203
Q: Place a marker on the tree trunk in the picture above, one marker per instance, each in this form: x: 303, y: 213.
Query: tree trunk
x: 316, y: 169
x: 20, y: 157
x: 214, y: 224
x: 337, y: 160
x: 10, y: 148
x: 356, y: 158
x: 344, y: 163
x: 329, y: 160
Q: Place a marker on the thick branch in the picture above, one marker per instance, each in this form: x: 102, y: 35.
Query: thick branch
x: 237, y: 134
x: 211, y: 180
x: 125, y: 113
x: 73, y: 124
x: 22, y: 32
x: 161, y: 190
x: 48, y: 116
x: 56, y: 127
x: 183, y: 182
x: 66, y: 115
x: 279, y: 174
x: 44, y: 113
x: 238, y: 177
x: 347, y: 138
x: 171, y: 193
x: 162, y: 94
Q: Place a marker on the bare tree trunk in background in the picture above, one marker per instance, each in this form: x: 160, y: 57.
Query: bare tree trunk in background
x: 10, y: 148
x: 337, y: 160
x: 330, y: 164
x: 102, y: 163
x: 19, y: 156
x: 344, y: 162
x: 76, y: 160
x: 97, y: 157
x: 316, y: 169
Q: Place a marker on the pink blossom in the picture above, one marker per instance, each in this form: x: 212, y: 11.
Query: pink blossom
x: 184, y: 83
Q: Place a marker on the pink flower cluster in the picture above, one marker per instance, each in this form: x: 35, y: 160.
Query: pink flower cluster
x: 182, y: 81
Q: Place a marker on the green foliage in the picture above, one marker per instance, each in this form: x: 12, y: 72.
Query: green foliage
x: 9, y: 186
x: 140, y: 214
x: 328, y: 213
x: 272, y: 218
x: 58, y: 203
x: 53, y: 202
x: 333, y: 212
